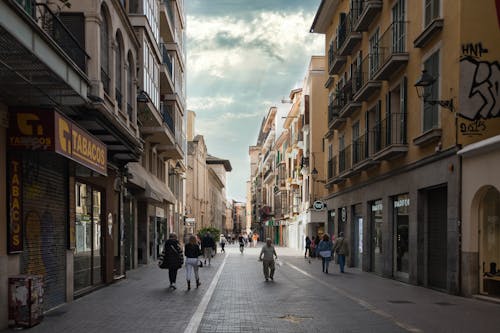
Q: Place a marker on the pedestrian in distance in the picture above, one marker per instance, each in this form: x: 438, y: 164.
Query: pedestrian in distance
x: 222, y: 243
x: 267, y: 255
x: 341, y: 249
x: 325, y: 252
x: 308, y: 247
x: 208, y: 246
x: 255, y: 238
x: 312, y: 248
x: 172, y: 253
x: 241, y: 240
x: 192, y: 251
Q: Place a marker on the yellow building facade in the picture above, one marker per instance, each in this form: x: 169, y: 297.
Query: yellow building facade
x: 410, y: 84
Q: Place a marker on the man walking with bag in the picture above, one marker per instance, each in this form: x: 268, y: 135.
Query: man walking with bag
x: 341, y: 249
x: 269, y: 253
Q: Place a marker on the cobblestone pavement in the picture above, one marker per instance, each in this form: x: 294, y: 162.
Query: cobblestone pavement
x: 236, y: 298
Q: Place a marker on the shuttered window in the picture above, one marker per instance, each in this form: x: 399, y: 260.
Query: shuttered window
x: 431, y: 111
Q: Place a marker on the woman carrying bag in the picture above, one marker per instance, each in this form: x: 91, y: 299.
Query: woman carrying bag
x: 192, y: 251
x: 172, y: 258
x: 325, y: 251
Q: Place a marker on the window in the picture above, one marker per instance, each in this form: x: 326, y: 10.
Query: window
x: 130, y: 87
x: 118, y: 72
x: 152, y: 13
x: 431, y: 10
x: 431, y: 112
x: 104, y: 51
x: 399, y: 31
x: 374, y: 53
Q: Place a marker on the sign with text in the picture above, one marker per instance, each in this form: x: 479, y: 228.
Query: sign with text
x: 15, y: 232
x: 47, y: 130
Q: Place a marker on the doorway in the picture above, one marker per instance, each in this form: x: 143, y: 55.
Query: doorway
x: 401, y: 265
x: 489, y: 243
x: 88, y: 257
x: 358, y: 236
x: 437, y: 237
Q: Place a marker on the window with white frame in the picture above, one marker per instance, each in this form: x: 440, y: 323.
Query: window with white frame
x: 151, y: 70
x: 152, y: 14
x: 431, y: 111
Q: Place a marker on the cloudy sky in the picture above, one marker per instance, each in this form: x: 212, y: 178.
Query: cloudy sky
x: 243, y: 57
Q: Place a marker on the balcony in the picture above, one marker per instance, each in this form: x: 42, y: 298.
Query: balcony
x: 347, y: 37
x: 366, y: 12
x: 361, y: 158
x: 389, y: 137
x: 167, y: 71
x: 332, y: 174
x: 335, y: 61
x: 364, y: 84
x: 334, y: 120
x: 167, y: 20
x: 345, y: 161
x: 344, y: 102
x: 393, y: 51
x: 267, y: 175
x: 41, y: 56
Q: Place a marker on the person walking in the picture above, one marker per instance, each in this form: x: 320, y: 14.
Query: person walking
x: 192, y: 252
x: 241, y: 240
x: 312, y: 247
x: 255, y: 238
x: 325, y: 252
x: 308, y: 247
x: 267, y: 255
x: 172, y: 253
x: 341, y: 249
x: 208, y: 246
x: 222, y: 243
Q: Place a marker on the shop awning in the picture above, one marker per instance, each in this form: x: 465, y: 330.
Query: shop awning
x: 154, y: 189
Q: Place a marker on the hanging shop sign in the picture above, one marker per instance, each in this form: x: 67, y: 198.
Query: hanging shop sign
x: 47, y: 130
x: 15, y: 230
x: 319, y: 205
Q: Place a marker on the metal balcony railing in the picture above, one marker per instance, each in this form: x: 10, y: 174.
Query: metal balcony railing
x: 105, y: 80
x: 356, y: 10
x: 343, y: 95
x: 364, y: 72
x: 332, y: 168
x: 268, y: 172
x: 360, y: 151
x: 130, y: 111
x: 392, y: 41
x: 345, y: 159
x: 390, y: 131
x: 118, y: 98
x: 167, y: 116
x: 333, y: 111
x: 58, y: 31
x: 167, y: 60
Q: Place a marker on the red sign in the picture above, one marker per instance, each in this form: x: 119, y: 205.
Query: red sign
x: 15, y: 242
x: 47, y: 130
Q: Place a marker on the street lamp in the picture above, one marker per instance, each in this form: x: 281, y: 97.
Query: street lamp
x: 423, y: 83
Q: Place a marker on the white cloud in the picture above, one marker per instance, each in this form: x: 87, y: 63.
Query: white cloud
x: 207, y: 103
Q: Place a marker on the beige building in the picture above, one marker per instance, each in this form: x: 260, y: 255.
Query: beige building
x: 206, y: 183
x: 102, y: 78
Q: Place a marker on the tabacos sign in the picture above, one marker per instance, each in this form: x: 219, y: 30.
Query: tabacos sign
x: 47, y: 130
x: 15, y: 239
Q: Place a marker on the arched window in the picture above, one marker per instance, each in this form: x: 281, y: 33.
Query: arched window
x: 130, y: 87
x: 104, y: 50
x: 118, y: 72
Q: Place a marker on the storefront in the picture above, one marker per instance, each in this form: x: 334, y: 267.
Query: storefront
x: 376, y: 236
x: 401, y: 240
x: 357, y: 235
x: 44, y: 150
x: 481, y: 219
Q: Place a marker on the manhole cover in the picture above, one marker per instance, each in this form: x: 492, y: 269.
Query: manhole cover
x: 444, y: 303
x: 400, y: 302
x: 294, y: 319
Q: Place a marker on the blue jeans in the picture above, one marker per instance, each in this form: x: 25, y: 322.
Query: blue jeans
x: 341, y: 258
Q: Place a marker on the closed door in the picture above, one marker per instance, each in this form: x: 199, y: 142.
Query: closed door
x: 437, y: 238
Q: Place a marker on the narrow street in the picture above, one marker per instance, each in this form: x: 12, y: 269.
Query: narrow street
x: 234, y: 297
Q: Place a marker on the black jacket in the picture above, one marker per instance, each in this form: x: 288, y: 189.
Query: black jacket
x: 192, y: 250
x: 207, y: 241
x: 173, y: 254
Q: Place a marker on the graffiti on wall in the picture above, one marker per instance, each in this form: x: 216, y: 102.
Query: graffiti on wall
x: 480, y: 89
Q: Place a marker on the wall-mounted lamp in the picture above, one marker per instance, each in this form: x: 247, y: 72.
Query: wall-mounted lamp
x: 426, y: 81
x: 284, y: 117
x: 289, y: 101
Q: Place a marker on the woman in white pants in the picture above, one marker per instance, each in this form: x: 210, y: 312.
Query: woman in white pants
x: 192, y: 252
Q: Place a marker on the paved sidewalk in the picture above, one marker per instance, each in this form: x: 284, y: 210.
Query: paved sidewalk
x: 301, y: 299
x: 140, y: 303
